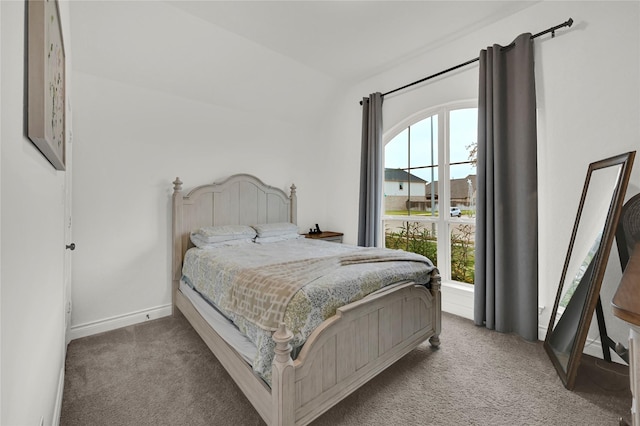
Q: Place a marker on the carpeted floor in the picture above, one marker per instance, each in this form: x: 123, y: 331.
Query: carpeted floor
x: 161, y: 373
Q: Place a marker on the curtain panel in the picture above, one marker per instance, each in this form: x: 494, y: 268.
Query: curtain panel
x: 370, y: 172
x: 506, y: 262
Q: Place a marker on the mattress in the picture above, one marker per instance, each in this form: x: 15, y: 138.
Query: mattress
x: 223, y: 326
x: 211, y: 273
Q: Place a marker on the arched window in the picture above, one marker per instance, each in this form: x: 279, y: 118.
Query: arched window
x: 433, y: 157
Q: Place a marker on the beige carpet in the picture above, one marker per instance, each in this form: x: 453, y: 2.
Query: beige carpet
x: 161, y: 373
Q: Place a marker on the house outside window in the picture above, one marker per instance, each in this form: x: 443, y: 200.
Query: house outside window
x: 433, y: 158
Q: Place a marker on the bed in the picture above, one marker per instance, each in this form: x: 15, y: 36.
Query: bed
x: 342, y: 353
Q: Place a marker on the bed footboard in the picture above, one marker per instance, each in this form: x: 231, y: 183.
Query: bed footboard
x: 352, y: 347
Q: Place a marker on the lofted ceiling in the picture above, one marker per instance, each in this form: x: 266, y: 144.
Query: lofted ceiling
x: 350, y: 40
x: 228, y: 52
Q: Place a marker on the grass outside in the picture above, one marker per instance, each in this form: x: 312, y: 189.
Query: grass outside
x: 422, y: 213
x: 409, y: 213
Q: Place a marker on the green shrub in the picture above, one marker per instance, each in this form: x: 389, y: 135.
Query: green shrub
x: 463, y: 254
x: 414, y: 237
x: 411, y: 236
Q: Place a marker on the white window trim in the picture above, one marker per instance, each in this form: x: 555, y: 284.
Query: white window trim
x: 460, y: 292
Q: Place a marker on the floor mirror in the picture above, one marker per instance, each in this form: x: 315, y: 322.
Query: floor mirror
x: 587, y: 256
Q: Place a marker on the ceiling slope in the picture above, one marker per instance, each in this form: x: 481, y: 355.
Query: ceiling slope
x: 282, y: 59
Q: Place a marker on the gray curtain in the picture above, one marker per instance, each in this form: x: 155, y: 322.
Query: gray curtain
x: 370, y: 171
x: 506, y: 280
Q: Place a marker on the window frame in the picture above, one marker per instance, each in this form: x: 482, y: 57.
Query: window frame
x: 443, y: 221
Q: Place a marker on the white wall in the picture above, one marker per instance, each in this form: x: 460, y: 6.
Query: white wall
x: 588, y: 92
x: 132, y: 140
x: 32, y: 251
x: 0, y: 218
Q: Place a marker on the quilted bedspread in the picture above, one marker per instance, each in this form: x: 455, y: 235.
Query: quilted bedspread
x: 301, y: 282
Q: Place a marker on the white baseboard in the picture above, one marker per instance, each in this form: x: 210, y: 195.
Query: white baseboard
x: 57, y: 409
x: 542, y: 332
x: 119, y: 321
x: 592, y: 346
x: 457, y: 299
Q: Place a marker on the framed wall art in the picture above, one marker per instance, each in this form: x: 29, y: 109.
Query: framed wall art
x: 46, y: 81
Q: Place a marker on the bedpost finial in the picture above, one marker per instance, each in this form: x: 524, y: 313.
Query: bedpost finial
x: 293, y: 206
x: 282, y: 337
x: 177, y: 185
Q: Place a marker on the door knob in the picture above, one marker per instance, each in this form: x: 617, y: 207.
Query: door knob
x: 71, y: 246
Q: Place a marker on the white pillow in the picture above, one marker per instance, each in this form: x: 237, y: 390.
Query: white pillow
x: 275, y: 229
x: 220, y: 233
x: 275, y: 239
x: 203, y: 244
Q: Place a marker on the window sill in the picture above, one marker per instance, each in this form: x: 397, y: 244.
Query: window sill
x: 457, y: 299
x: 458, y: 286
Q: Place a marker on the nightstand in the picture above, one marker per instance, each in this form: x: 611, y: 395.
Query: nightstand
x: 335, y: 237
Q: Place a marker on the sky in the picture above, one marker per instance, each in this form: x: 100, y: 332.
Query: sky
x: 463, y: 125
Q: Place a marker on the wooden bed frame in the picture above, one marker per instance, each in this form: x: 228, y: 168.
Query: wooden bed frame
x: 343, y: 353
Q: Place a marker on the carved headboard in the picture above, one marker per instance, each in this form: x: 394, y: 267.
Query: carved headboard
x: 241, y: 199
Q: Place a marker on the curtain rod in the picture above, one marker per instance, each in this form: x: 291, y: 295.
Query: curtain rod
x: 551, y: 30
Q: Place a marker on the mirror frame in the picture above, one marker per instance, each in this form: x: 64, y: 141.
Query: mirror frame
x: 600, y: 263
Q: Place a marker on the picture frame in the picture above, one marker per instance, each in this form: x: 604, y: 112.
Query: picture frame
x: 46, y: 95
